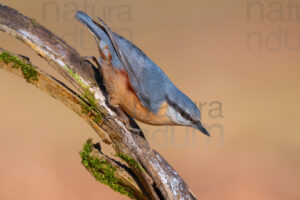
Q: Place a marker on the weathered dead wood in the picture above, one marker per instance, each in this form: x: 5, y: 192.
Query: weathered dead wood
x: 164, y: 182
x: 69, y: 98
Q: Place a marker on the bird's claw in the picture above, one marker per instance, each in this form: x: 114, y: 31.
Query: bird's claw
x: 126, y: 123
x: 88, y: 58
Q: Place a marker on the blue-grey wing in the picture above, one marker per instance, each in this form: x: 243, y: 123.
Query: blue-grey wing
x: 146, y: 78
x: 151, y: 82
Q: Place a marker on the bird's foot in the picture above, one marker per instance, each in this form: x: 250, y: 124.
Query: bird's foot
x: 93, y: 60
x: 124, y: 119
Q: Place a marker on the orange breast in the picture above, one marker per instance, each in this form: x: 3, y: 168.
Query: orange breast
x: 122, y: 94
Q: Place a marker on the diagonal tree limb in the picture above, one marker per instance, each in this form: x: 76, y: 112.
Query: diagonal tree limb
x: 167, y: 184
x: 13, y: 63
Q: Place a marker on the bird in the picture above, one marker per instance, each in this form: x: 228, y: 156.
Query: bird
x: 135, y: 84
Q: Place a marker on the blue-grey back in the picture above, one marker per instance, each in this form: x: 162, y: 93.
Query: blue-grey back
x: 151, y: 84
x: 151, y: 81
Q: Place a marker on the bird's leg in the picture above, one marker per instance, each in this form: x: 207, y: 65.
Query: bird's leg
x: 124, y: 119
x: 122, y: 116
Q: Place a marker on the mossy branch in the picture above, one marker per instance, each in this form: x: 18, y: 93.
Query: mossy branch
x: 108, y: 172
x: 18, y: 66
x: 150, y: 172
x: 28, y: 71
x: 103, y: 168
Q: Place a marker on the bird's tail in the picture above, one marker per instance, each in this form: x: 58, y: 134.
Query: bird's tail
x: 96, y: 29
x: 86, y: 20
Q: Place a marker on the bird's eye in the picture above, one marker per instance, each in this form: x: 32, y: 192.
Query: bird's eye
x: 183, y: 114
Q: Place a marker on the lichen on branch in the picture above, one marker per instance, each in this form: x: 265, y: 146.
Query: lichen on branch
x: 29, y: 72
x: 130, y: 161
x: 89, y: 107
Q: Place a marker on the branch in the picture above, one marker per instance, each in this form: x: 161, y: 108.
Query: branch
x: 117, y: 178
x: 156, y: 178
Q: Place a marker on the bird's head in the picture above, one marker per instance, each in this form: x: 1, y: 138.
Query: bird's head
x: 182, y: 111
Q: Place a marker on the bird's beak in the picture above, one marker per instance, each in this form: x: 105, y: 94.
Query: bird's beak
x: 201, y: 128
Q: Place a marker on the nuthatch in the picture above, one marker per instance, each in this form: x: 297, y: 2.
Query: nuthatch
x: 136, y: 84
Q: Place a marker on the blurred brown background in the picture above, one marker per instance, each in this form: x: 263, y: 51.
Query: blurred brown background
x: 239, y: 59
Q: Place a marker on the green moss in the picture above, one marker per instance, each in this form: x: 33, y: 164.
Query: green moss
x: 130, y: 161
x: 28, y: 71
x: 88, y: 96
x: 76, y: 76
x: 97, y: 118
x: 102, y: 170
x: 90, y: 106
x: 34, y: 23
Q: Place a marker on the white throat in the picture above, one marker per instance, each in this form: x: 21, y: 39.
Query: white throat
x: 176, y: 117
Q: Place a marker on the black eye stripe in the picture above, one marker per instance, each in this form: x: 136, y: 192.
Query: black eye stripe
x: 181, y: 111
